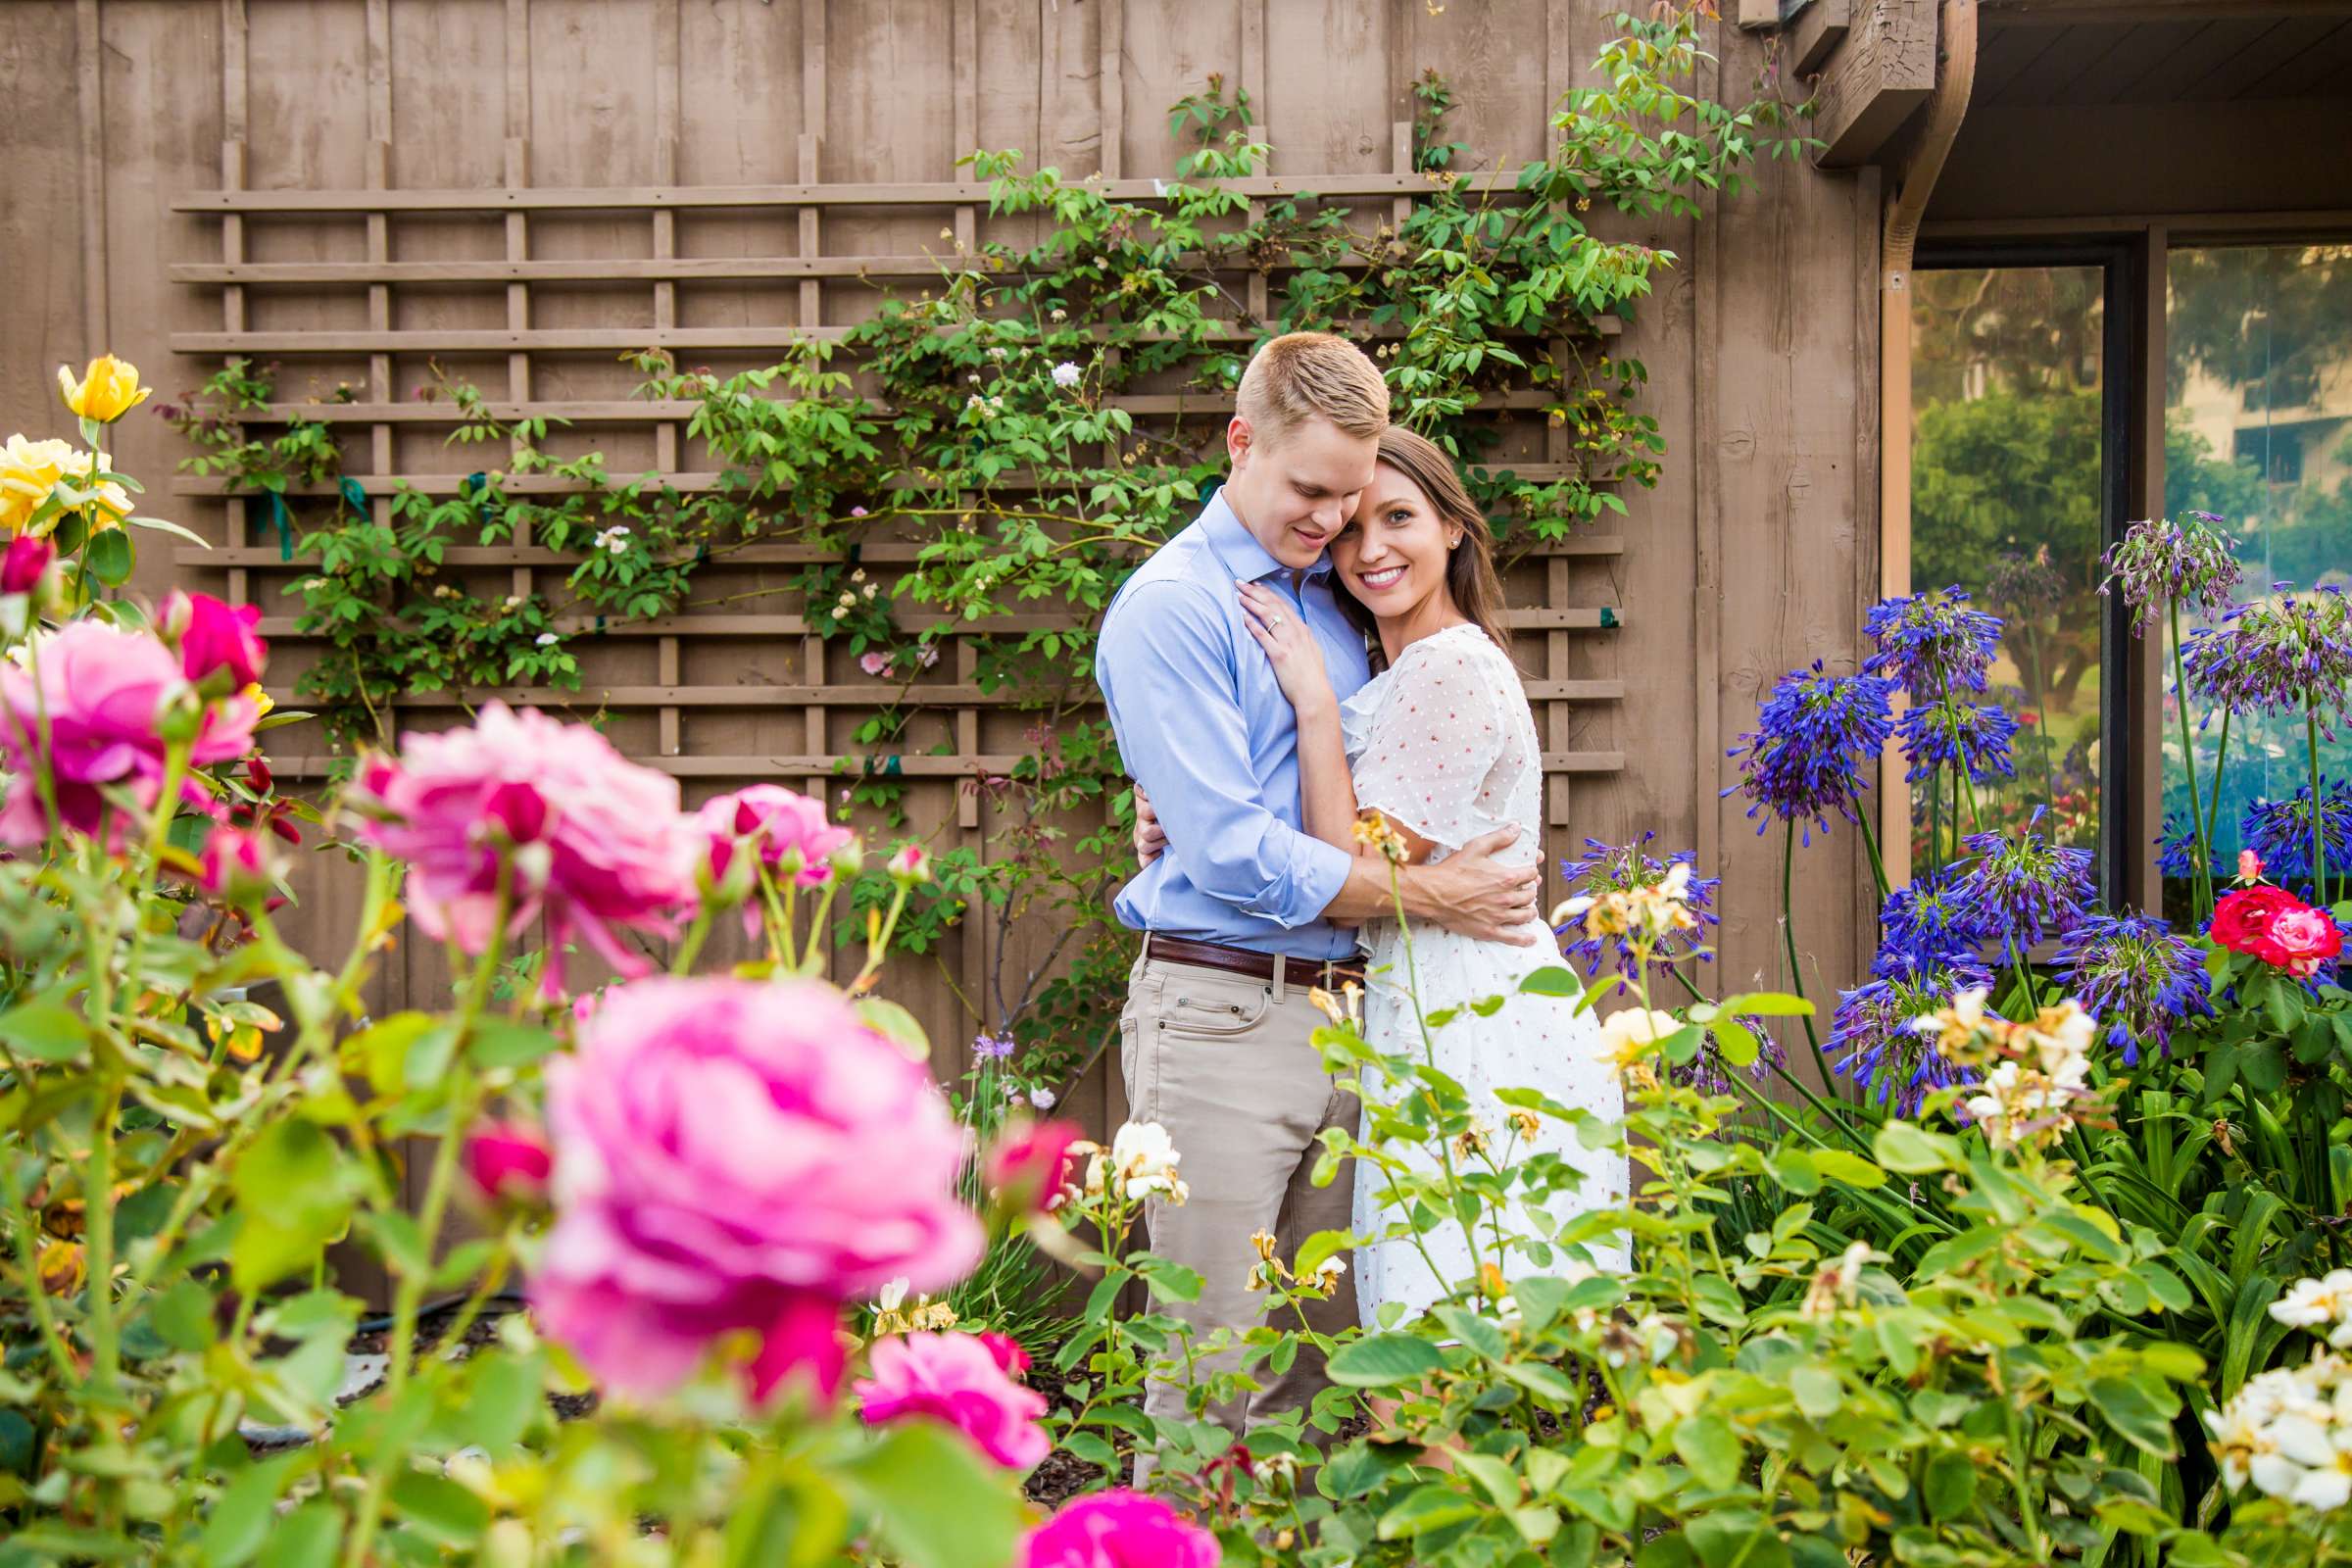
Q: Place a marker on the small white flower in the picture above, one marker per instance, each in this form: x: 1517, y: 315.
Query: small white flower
x: 1068, y: 373
x: 1060, y: 315
x: 548, y: 639
x: 514, y: 601
x: 1042, y: 1099
x: 892, y: 1294
x: 975, y: 401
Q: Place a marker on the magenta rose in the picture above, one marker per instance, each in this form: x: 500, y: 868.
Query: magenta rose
x: 216, y: 636
x: 28, y: 558
x: 1118, y: 1529
x: 596, y: 842
x: 105, y: 692
x: 236, y: 865
x: 510, y: 1161
x: 1029, y: 1167
x: 964, y: 1380
x: 788, y: 832
x: 739, y: 1157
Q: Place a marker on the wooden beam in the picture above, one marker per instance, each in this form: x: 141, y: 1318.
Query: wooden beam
x: 1816, y: 33
x: 871, y: 552
x: 1883, y: 70
x: 905, y: 765
x: 2071, y: 13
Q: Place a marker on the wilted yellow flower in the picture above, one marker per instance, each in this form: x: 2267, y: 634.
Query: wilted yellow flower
x: 1526, y: 1123
x: 1265, y: 1242
x: 30, y: 469
x: 259, y: 698
x: 64, y: 1266
x: 108, y: 390
x: 1374, y: 830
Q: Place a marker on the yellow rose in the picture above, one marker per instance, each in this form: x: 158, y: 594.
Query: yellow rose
x: 1626, y: 1036
x: 30, y: 469
x: 108, y: 390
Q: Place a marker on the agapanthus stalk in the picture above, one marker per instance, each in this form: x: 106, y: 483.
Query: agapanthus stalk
x: 2200, y: 833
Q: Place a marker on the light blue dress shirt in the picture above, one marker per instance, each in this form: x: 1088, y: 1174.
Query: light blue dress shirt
x: 1204, y: 728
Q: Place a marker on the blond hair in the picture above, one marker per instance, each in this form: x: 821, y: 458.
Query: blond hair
x: 1301, y: 374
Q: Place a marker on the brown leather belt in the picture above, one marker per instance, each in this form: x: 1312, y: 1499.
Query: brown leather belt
x: 1324, y: 972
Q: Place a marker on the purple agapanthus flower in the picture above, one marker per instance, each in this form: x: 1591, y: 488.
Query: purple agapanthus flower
x: 2280, y: 832
x: 2133, y: 972
x: 2280, y: 654
x: 1813, y: 735
x: 2160, y: 562
x: 1612, y: 869
x: 1710, y: 1074
x: 1872, y: 1040
x: 2176, y: 848
x: 1926, y: 921
x: 1932, y: 643
x: 2024, y: 887
x: 1951, y: 732
x: 992, y: 1047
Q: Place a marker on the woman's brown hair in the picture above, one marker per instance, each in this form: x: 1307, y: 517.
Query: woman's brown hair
x: 1470, y: 566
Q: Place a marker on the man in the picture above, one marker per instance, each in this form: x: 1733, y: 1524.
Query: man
x: 1243, y: 912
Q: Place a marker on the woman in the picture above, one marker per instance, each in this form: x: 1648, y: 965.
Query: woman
x: 1440, y: 744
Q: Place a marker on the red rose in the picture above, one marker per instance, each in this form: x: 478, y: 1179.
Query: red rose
x: 2243, y: 920
x: 2299, y: 940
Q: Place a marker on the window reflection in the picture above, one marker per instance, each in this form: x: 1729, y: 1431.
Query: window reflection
x: 2006, y: 485
x: 2258, y: 429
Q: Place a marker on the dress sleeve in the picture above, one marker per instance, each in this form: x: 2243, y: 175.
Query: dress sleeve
x: 1433, y: 743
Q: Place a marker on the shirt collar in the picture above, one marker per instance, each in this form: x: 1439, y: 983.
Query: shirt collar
x: 1237, y: 549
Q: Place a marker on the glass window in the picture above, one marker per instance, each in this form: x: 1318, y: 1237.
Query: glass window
x: 2258, y: 429
x: 2008, y: 486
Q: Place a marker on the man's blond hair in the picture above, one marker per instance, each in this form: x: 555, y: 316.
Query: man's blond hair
x: 1303, y: 374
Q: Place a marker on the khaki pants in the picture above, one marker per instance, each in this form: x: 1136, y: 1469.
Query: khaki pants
x: 1227, y: 1064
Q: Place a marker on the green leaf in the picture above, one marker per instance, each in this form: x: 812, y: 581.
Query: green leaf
x: 109, y: 557
x: 934, y: 1499
x: 2142, y: 1416
x: 1853, y: 1169
x: 1914, y: 1150
x: 1551, y: 980
x: 1816, y: 1390
x: 293, y: 1200
x: 439, y: 1509
x: 242, y: 1517
x: 895, y: 1024
x: 45, y: 1030
x: 1710, y: 1447
x: 1949, y: 1485
x: 1383, y: 1360
x: 1426, y: 1509
x: 307, y: 1538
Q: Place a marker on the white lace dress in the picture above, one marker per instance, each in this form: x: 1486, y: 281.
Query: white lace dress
x: 1443, y: 743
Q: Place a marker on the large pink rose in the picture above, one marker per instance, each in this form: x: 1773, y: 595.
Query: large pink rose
x: 105, y: 692
x: 789, y: 832
x: 964, y: 1380
x: 597, y: 843
x: 1119, y: 1530
x: 2300, y: 939
x: 739, y: 1155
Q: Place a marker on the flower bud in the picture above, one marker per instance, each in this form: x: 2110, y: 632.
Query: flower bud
x: 214, y: 636
x: 510, y: 1163
x: 25, y: 564
x: 909, y: 864
x: 236, y: 866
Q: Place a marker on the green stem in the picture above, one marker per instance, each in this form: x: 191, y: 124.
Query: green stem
x: 2319, y: 817
x: 29, y: 1258
x: 1870, y: 846
x: 690, y: 948
x: 98, y: 1229
x: 2188, y: 759
x: 2220, y: 753
x: 1797, y: 979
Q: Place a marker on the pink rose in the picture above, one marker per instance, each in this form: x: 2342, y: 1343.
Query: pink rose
x: 596, y: 842
x: 739, y: 1155
x: 962, y: 1380
x: 2249, y: 867
x: 216, y: 636
x: 27, y: 560
x: 509, y: 1161
x: 235, y: 865
x: 789, y: 832
x: 105, y: 691
x: 2300, y: 939
x: 874, y: 664
x: 1118, y: 1529
x: 1029, y: 1167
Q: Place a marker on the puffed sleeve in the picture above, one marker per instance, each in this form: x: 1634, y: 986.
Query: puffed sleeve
x: 1432, y: 742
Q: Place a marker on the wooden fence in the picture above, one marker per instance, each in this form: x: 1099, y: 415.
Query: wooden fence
x: 517, y: 192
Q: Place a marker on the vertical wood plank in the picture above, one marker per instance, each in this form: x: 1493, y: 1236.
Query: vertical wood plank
x: 1112, y: 83
x: 2144, y: 690
x: 667, y: 98
x: 89, y: 98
